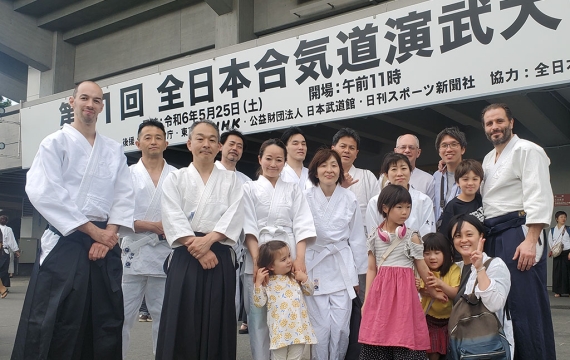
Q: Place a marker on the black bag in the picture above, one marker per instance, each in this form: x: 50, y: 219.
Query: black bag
x: 475, y: 332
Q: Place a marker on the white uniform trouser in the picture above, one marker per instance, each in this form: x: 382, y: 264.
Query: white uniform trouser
x: 135, y: 287
x: 330, y: 317
x: 256, y: 323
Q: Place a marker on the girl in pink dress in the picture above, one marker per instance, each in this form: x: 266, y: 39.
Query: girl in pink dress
x: 393, y: 322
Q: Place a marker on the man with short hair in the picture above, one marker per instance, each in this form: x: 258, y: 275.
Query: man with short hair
x: 233, y: 144
x: 202, y: 216
x: 346, y: 142
x: 294, y: 171
x: 409, y: 145
x: 80, y: 183
x: 145, y: 249
x: 9, y: 246
x: 517, y: 204
x: 450, y: 144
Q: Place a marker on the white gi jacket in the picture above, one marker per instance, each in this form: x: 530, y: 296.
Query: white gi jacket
x: 339, y: 253
x: 71, y: 183
x: 144, y: 253
x: 421, y: 217
x: 280, y: 213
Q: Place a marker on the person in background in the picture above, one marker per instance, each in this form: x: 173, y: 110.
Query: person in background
x: 450, y: 144
x: 561, y: 263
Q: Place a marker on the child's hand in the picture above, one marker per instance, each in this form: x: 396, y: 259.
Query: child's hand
x: 433, y: 281
x: 418, y: 284
x: 262, y: 276
x: 300, y: 276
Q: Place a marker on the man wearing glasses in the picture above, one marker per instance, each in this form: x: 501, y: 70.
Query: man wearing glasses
x: 450, y: 144
x: 420, y: 180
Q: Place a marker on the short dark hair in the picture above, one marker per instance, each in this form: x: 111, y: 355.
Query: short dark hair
x: 455, y: 133
x: 266, y: 256
x: 459, y: 220
x: 391, y: 196
x: 391, y: 159
x: 558, y: 213
x: 264, y: 146
x: 203, y: 121
x: 3, y: 221
x: 438, y: 242
x: 151, y: 122
x: 496, y: 106
x: 466, y: 166
x: 234, y: 132
x: 320, y: 157
x: 346, y: 132
x: 293, y: 130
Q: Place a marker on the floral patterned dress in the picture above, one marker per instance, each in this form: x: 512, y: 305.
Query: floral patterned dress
x: 287, y: 315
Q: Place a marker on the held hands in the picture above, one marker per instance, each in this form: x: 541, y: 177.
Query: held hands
x: 106, y: 237
x: 262, y: 276
x: 432, y: 281
x: 97, y: 251
x: 299, y: 264
x: 208, y: 260
x: 198, y: 246
x: 526, y: 253
x: 300, y: 276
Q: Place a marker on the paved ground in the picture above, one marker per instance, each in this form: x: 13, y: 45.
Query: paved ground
x: 141, y: 348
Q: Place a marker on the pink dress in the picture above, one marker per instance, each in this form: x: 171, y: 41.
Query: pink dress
x: 393, y: 314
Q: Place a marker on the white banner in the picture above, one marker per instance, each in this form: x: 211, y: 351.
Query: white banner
x: 432, y: 52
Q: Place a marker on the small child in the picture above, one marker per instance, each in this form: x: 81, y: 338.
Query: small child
x: 468, y: 176
x: 393, y: 324
x: 287, y: 316
x: 445, y: 276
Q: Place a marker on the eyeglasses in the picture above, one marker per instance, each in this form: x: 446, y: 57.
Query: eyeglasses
x: 453, y: 145
x: 404, y: 147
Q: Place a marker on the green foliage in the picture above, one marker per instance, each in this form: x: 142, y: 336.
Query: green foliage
x: 4, y: 102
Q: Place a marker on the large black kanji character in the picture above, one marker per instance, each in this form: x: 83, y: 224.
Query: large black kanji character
x: 414, y: 35
x: 272, y: 59
x: 459, y: 27
x: 66, y: 112
x: 198, y: 83
x: 311, y: 53
x: 169, y: 86
x: 528, y: 8
x: 132, y: 101
x: 235, y: 79
x: 362, y: 49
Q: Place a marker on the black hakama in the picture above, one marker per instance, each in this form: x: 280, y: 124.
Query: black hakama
x: 198, y: 320
x: 561, y: 273
x: 528, y: 301
x: 4, y: 266
x: 74, y: 306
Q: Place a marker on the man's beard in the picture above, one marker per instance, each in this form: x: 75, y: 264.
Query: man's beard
x: 507, y: 133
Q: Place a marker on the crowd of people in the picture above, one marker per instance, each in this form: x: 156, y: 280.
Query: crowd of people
x: 334, y: 262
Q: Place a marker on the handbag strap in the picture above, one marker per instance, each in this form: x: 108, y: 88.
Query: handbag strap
x: 486, y: 265
x: 388, y: 251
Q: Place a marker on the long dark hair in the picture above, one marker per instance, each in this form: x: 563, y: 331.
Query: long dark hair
x: 438, y: 242
x: 267, y: 255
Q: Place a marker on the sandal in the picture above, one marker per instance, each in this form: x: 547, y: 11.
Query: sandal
x: 556, y: 295
x: 243, y: 329
x: 4, y: 294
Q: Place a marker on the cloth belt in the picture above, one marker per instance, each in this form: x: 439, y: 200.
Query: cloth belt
x: 166, y: 265
x: 268, y: 233
x: 505, y: 222
x: 132, y: 245
x: 99, y: 224
x: 333, y: 250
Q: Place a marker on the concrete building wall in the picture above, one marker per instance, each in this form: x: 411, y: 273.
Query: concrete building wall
x: 173, y: 35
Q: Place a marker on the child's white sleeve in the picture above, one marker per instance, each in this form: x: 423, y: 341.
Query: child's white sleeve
x: 259, y: 296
